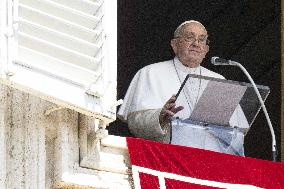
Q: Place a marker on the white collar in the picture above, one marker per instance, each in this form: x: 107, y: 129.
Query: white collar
x: 185, y: 69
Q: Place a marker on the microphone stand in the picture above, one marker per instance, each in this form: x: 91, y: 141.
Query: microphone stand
x: 274, y: 149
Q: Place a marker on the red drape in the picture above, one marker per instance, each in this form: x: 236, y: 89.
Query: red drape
x: 200, y: 166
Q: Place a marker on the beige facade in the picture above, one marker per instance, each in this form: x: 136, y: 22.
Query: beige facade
x: 43, y: 146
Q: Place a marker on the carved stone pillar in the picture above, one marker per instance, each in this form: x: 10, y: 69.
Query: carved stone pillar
x: 96, y: 149
x: 22, y: 140
x: 40, y: 147
x: 4, y: 100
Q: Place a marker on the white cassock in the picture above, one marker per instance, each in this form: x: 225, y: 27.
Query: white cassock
x: 149, y: 90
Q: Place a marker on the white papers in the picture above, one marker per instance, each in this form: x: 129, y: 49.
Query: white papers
x: 217, y: 103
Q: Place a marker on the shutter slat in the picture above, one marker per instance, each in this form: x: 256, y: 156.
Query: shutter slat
x: 85, y: 6
x: 64, y: 12
x: 55, y: 66
x: 59, y: 52
x: 58, y: 38
x: 59, y: 24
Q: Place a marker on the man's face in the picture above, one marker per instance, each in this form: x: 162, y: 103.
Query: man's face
x: 191, y: 45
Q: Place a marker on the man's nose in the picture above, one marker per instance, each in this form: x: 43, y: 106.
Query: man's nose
x: 195, y: 42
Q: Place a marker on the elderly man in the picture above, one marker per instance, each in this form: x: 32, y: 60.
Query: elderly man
x: 149, y: 102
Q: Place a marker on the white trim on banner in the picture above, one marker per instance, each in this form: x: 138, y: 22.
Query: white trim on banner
x: 163, y: 175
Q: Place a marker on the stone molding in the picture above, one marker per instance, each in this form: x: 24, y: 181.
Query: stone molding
x: 46, y: 151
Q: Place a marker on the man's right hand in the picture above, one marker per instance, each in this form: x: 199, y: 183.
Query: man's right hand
x: 169, y: 110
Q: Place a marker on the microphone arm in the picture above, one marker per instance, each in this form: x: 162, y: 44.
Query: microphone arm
x: 233, y: 63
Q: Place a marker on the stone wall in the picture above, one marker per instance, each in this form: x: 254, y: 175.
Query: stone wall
x: 40, y: 148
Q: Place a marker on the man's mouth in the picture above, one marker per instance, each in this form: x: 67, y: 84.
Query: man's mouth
x: 196, y: 51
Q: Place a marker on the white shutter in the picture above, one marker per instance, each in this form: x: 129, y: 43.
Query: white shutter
x: 66, y: 52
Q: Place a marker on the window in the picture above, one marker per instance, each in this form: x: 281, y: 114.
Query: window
x: 62, y: 51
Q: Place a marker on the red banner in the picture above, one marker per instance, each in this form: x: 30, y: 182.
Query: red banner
x: 163, y: 166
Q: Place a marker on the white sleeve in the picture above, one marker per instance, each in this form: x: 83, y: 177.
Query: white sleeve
x: 145, y: 124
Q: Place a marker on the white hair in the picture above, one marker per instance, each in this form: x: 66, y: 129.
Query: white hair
x: 181, y: 26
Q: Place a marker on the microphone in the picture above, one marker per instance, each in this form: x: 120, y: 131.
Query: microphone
x: 219, y: 61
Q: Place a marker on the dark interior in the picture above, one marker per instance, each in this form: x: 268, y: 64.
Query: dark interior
x: 245, y: 31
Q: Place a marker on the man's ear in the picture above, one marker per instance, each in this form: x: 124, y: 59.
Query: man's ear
x: 206, y: 49
x: 174, y: 45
